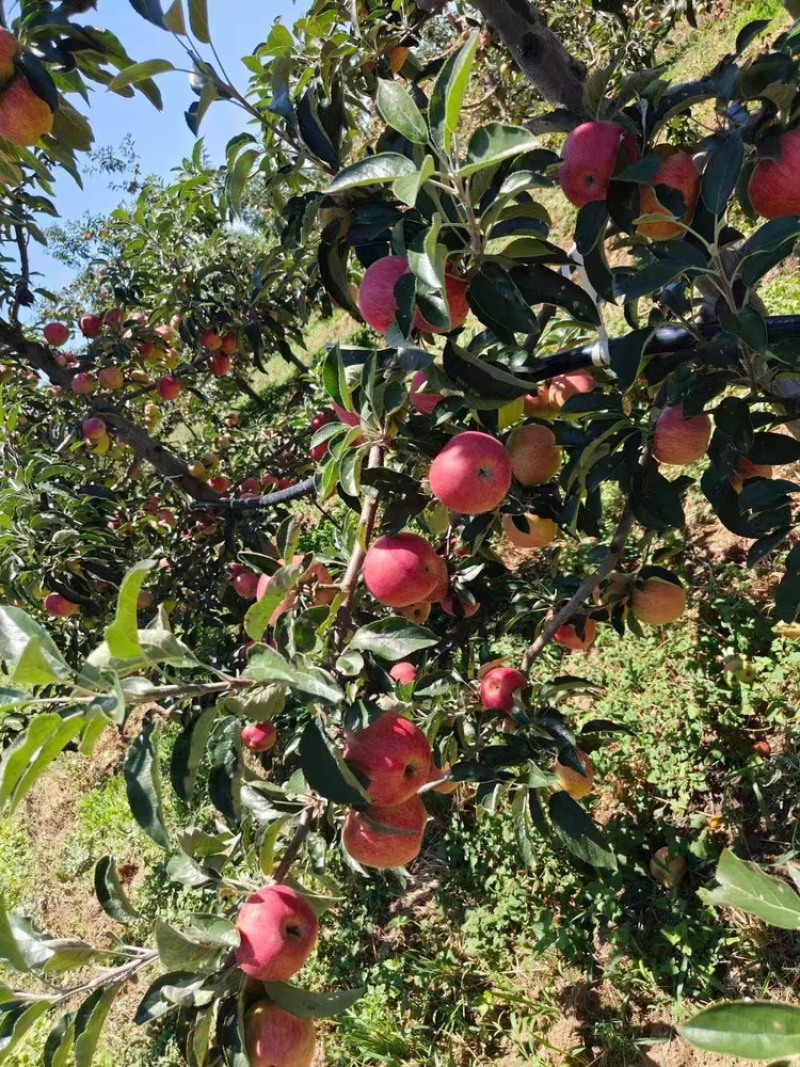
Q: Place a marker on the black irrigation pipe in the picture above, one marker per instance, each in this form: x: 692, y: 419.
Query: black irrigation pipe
x: 666, y: 340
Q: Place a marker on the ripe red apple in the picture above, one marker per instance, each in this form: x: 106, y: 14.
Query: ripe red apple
x: 745, y: 470
x: 589, y: 159
x: 394, y: 754
x: 568, y: 635
x: 534, y: 455
x: 666, y: 868
x: 773, y: 189
x: 260, y: 736
x: 230, y: 344
x: 83, y: 383
x: 246, y: 584
x: 278, y: 931
x: 211, y: 340
x: 564, y: 386
x: 9, y: 47
x: 58, y: 605
x: 144, y: 600
x: 93, y: 428
x: 275, y: 1038
x: 529, y: 531
x: 471, y: 474
x: 24, y: 116
x: 538, y: 406
x: 378, y: 304
x: 424, y: 402
x: 90, y: 325
x: 111, y: 378
x: 404, y: 673
x: 678, y: 439
x: 219, y: 364
x: 762, y: 748
x: 221, y: 482
x: 169, y: 388
x: 678, y: 171
x: 573, y: 783
x: 366, y: 840
x: 114, y: 319
x: 498, y: 687
x: 658, y: 599
x: 401, y: 569
x: 56, y: 334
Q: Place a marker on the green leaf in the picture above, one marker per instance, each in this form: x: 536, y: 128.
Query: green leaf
x: 111, y: 896
x: 407, y: 188
x: 447, y: 96
x: 198, y: 20
x: 579, y: 833
x: 174, y: 20
x: 122, y: 636
x: 270, y: 666
x: 139, y: 72
x: 399, y: 111
x: 20, y: 946
x: 238, y: 176
x: 498, y: 303
x: 89, y: 1020
x: 156, y: 1002
x: 745, y: 886
x: 57, y: 1051
x: 540, y: 285
x: 143, y: 784
x: 755, y: 1030
x: 177, y: 949
x: 495, y: 142
x: 722, y: 173
x: 32, y: 752
x: 29, y: 653
x: 393, y: 638
x: 307, y: 1005
x: 280, y: 585
x: 373, y: 170
x: 325, y: 769
x: 188, y: 752
x: 626, y: 356
x: 15, y: 1021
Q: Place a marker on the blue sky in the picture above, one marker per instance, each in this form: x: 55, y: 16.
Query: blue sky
x: 162, y: 139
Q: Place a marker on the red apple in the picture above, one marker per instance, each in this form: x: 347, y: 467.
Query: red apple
x: 774, y: 190
x: 230, y: 344
x: 658, y: 598
x: 471, y: 474
x: 565, y: 386
x: 260, y: 736
x: 569, y: 635
x: 58, y: 605
x: 93, y: 428
x: 246, y: 584
x: 589, y: 159
x: 401, y: 569
x: 211, y: 340
x: 219, y: 364
x: 111, y: 378
x: 534, y: 456
x: 378, y: 304
x: 275, y: 1038
x: 394, y: 754
x: 680, y: 439
x: 423, y: 401
x: 114, y: 319
x: 83, y: 383
x: 498, y: 687
x: 56, y: 334
x: 366, y: 840
x: 278, y: 931
x: 403, y: 673
x: 90, y: 325
x: 678, y: 171
x: 169, y: 388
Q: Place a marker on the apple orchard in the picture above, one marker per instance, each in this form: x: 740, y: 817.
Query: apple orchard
x: 293, y: 625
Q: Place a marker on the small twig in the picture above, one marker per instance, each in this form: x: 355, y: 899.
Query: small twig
x: 585, y: 590
x: 24, y: 259
x: 300, y: 834
x: 363, y: 536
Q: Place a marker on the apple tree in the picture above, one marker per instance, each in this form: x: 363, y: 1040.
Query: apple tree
x: 562, y: 334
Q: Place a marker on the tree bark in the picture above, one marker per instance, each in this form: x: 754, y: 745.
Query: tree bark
x: 537, y: 51
x: 171, y: 467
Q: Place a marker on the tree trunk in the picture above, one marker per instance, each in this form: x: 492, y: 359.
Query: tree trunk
x: 537, y: 51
